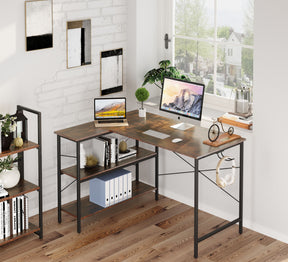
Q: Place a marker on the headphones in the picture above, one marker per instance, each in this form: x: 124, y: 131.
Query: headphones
x: 229, y: 178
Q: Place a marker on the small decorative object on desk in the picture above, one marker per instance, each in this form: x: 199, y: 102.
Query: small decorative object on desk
x: 8, y: 126
x: 142, y: 94
x: 91, y: 162
x: 21, y: 125
x: 122, y: 146
x: 243, y: 100
x: 18, y: 142
x: 217, y: 139
x: 9, y: 173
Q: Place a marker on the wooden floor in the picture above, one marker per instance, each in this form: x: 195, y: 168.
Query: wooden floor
x: 142, y: 230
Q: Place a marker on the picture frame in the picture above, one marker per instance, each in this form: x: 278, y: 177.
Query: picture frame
x: 38, y: 24
x: 111, y: 71
x: 78, y: 43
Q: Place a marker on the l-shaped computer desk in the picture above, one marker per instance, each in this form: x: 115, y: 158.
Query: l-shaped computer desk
x: 191, y: 146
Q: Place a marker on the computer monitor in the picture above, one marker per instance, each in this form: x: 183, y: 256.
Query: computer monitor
x: 182, y: 98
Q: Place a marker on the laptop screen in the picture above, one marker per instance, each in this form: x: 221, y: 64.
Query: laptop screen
x: 109, y: 108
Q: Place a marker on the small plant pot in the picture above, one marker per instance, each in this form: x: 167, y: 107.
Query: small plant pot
x: 142, y: 112
x: 10, y: 178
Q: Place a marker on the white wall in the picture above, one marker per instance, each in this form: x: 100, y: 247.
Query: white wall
x: 40, y: 80
x: 270, y: 146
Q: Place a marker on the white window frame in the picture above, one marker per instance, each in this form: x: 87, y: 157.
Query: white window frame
x: 212, y: 101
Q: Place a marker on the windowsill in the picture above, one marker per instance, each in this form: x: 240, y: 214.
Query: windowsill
x: 208, y: 115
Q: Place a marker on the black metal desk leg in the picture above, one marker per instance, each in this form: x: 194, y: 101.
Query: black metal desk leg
x: 241, y: 188
x: 40, y: 178
x: 157, y: 173
x: 78, y: 188
x: 137, y: 164
x: 59, y: 177
x: 196, y: 195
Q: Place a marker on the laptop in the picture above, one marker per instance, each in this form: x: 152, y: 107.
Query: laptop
x: 110, y: 112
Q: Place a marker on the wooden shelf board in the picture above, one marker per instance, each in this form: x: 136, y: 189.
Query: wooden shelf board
x: 222, y: 139
x: 142, y: 154
x: 82, y: 132
x: 26, y: 146
x: 88, y: 208
x: 32, y: 229
x: 234, y: 123
x: 22, y: 188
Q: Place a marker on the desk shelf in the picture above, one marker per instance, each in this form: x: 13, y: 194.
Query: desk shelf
x: 22, y: 188
x: 88, y: 208
x: 141, y: 155
x: 82, y: 207
x: 32, y: 229
x: 26, y: 146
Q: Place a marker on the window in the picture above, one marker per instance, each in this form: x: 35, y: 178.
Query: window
x: 214, y: 43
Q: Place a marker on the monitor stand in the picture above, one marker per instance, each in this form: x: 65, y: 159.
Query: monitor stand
x: 182, y: 126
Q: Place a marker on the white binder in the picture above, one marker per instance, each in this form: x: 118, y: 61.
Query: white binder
x: 129, y: 184
x: 121, y: 197
x: 100, y: 190
x: 112, y: 193
x: 125, y: 187
x: 116, y: 189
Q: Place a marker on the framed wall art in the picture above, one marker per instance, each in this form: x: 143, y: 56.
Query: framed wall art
x: 111, y: 71
x: 39, y: 24
x: 78, y: 43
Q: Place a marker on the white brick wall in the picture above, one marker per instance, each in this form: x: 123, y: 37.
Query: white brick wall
x: 66, y: 97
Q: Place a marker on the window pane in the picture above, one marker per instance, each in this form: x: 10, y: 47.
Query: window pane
x: 194, y: 18
x: 234, y: 69
x: 232, y: 35
x: 247, y: 67
x: 235, y: 19
x: 195, y: 58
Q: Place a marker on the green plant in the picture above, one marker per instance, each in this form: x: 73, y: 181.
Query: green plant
x: 8, y: 124
x: 142, y: 94
x: 7, y: 163
x: 156, y: 75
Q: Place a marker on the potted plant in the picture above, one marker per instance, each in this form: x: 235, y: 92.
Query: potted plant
x: 8, y: 126
x: 9, y: 173
x: 142, y: 94
x: 156, y: 75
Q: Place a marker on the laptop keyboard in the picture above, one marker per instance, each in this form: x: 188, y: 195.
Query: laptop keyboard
x: 110, y: 121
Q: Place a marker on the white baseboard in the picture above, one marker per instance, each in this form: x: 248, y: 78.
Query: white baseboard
x: 228, y: 216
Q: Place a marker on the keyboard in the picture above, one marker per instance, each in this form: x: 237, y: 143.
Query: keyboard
x: 110, y: 121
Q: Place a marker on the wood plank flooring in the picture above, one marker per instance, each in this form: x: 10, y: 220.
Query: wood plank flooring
x: 142, y: 230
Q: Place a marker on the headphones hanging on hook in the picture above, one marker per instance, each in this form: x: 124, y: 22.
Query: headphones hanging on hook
x: 229, y: 178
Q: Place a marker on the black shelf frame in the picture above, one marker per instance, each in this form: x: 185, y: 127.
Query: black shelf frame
x: 27, y: 186
x: 78, y: 179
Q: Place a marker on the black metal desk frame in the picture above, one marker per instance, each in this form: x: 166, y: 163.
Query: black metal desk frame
x: 196, y: 171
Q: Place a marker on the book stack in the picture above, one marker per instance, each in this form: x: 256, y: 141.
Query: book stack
x: 129, y: 153
x: 13, y: 216
x: 104, y: 148
x: 235, y: 120
x: 109, y: 189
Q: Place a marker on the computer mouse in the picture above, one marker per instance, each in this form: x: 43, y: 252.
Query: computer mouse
x: 176, y: 140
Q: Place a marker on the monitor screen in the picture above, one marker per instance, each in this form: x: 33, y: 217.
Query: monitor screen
x: 109, y: 108
x: 182, y: 98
